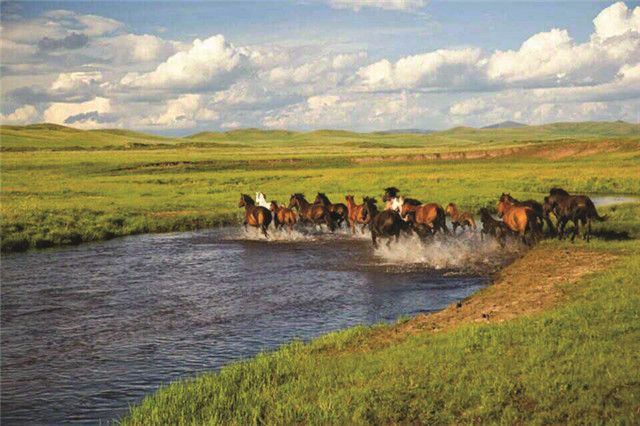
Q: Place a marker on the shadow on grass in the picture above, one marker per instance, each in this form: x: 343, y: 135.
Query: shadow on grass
x: 611, y: 235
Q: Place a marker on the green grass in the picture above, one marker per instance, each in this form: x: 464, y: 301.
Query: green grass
x: 65, y: 186
x: 575, y: 364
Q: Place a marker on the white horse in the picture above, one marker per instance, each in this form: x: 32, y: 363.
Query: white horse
x: 261, y: 200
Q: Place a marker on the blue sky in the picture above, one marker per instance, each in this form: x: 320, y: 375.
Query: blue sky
x: 362, y: 65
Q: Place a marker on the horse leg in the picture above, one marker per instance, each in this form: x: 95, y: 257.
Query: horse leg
x: 576, y: 228
x: 374, y: 238
x: 561, y: 225
x: 264, y: 230
x: 455, y: 226
x: 588, y: 229
x: 364, y: 226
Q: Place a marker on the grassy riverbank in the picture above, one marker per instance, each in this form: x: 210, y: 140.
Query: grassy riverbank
x: 65, y: 186
x: 555, y: 340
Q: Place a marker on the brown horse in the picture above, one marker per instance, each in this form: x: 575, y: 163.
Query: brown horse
x: 577, y: 208
x: 314, y: 213
x: 384, y: 224
x: 520, y: 219
x: 536, y: 206
x: 459, y: 218
x: 257, y: 216
x: 283, y: 216
x: 429, y: 218
x: 357, y: 214
x: 339, y: 210
x: 495, y: 228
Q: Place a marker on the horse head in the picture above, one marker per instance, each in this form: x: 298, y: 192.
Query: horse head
x: 321, y: 198
x: 450, y: 209
x: 370, y: 208
x: 245, y: 200
x: 502, y: 207
x: 273, y: 206
x: 390, y: 193
x: 295, y: 200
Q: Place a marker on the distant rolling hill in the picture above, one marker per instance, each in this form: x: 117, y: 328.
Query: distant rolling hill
x: 53, y: 136
x: 505, y: 125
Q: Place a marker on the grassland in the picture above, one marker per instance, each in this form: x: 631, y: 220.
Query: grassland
x: 65, y: 186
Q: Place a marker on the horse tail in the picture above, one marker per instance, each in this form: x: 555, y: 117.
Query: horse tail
x: 442, y: 220
x: 592, y: 213
x: 267, y: 218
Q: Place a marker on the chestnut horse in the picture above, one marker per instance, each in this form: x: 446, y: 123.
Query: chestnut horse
x: 384, y: 224
x: 357, y: 214
x: 283, y: 216
x: 257, y: 216
x: 339, y: 210
x: 314, y: 213
x: 459, y: 218
x: 520, y: 219
x: 429, y: 216
x: 536, y: 206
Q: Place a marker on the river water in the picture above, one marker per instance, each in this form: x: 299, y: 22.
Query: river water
x: 89, y: 330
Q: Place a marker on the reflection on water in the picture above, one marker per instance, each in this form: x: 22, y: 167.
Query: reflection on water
x: 88, y: 330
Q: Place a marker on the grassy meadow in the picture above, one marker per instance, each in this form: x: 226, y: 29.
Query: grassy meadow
x: 65, y: 186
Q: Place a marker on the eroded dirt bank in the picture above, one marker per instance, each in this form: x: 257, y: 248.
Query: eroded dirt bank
x: 535, y: 282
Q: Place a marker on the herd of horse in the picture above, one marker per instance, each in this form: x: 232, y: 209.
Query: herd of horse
x: 522, y: 219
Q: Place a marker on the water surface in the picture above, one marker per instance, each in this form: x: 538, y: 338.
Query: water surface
x: 88, y: 330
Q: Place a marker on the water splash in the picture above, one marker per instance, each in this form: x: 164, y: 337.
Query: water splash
x: 463, y: 252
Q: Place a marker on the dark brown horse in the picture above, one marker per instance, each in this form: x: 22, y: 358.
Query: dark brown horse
x: 257, y: 216
x: 339, y: 210
x: 426, y: 218
x: 490, y: 226
x: 357, y: 214
x: 459, y: 218
x: 283, y: 216
x: 520, y: 219
x: 536, y: 206
x: 314, y: 213
x: 392, y: 192
x: 577, y: 208
x: 384, y: 224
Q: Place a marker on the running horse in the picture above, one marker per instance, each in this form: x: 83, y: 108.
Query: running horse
x: 283, y: 216
x: 520, y: 219
x: 577, y: 208
x: 261, y: 200
x: 314, y: 213
x: 536, y: 206
x: 257, y: 216
x: 384, y: 224
x: 339, y: 211
x: 357, y: 214
x: 428, y: 217
x: 459, y: 218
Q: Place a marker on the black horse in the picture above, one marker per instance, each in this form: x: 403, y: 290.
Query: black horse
x: 384, y: 224
x: 575, y: 208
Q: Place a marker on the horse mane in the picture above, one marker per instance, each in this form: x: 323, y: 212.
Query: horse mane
x: 558, y: 191
x: 247, y: 199
x: 298, y: 195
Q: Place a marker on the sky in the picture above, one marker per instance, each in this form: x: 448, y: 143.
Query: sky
x: 176, y: 68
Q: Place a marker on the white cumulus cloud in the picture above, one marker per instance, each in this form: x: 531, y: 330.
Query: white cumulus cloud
x: 23, y: 115
x: 211, y: 63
